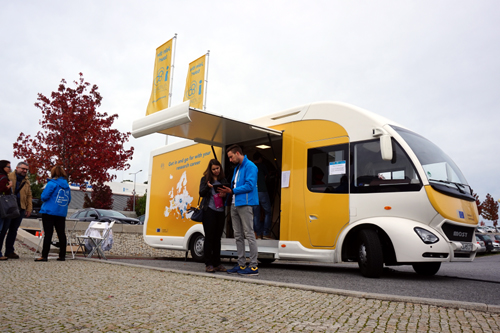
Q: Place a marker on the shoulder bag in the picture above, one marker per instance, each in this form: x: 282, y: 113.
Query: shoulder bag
x: 197, y: 213
x: 8, y: 206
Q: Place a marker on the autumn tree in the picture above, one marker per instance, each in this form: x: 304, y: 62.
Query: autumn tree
x: 101, y: 197
x: 75, y: 135
x: 490, y: 209
x: 478, y: 203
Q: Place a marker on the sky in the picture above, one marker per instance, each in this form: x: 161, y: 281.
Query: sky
x: 431, y: 66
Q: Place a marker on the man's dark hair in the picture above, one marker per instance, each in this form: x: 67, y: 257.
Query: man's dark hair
x: 234, y: 149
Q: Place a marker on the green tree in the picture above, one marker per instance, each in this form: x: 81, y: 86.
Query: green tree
x: 140, y: 205
x: 36, y: 187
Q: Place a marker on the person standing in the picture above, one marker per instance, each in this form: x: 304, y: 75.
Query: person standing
x: 5, y: 189
x: 22, y: 189
x: 262, y: 231
x: 212, y: 205
x: 244, y: 196
x: 56, y: 197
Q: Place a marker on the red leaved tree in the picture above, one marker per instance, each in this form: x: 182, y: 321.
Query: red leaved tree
x: 478, y: 203
x: 75, y: 135
x: 490, y: 209
x: 101, y: 197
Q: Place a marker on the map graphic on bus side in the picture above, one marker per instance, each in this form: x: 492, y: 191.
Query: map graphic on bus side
x: 180, y: 199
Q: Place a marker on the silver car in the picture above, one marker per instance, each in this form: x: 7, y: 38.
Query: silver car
x: 481, y: 244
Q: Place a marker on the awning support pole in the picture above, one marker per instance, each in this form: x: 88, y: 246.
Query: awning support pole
x: 213, y: 151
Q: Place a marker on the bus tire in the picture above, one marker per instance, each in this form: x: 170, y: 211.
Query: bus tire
x: 426, y: 268
x: 196, y: 247
x: 370, y: 255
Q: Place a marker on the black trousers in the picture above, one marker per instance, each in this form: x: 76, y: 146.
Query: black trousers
x: 213, y: 226
x: 49, y: 223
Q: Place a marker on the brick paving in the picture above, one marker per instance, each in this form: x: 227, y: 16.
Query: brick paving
x: 89, y: 296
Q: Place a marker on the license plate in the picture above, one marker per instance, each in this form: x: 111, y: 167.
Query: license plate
x: 467, y: 247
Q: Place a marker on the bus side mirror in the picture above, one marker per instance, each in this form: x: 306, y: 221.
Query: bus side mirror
x: 385, y: 143
x: 386, y: 147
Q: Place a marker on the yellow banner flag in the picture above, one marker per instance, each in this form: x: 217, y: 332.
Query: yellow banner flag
x: 161, y: 79
x: 195, y: 83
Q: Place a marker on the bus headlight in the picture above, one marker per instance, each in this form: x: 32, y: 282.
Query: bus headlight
x: 426, y: 236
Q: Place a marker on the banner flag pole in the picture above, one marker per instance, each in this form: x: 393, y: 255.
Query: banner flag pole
x: 206, y: 81
x: 172, y: 72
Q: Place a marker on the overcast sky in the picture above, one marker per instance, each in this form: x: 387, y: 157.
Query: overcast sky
x: 432, y: 66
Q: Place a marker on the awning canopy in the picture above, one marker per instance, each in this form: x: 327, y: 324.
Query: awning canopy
x: 199, y: 126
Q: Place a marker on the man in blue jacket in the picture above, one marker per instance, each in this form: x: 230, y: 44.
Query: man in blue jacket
x: 244, y: 195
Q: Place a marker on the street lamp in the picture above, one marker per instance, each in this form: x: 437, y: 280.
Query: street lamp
x: 133, y: 192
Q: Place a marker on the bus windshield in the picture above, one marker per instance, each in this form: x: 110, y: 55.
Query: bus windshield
x: 443, y: 174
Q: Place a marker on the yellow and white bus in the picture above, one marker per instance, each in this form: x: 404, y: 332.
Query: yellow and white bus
x: 351, y: 186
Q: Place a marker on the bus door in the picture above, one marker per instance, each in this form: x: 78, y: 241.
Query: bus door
x: 326, y: 193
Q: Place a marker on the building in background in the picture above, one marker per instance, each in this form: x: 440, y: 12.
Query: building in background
x: 121, y: 193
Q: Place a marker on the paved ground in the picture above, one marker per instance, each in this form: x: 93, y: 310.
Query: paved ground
x: 90, y: 296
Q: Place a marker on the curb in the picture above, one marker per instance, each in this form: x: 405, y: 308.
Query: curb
x: 358, y: 294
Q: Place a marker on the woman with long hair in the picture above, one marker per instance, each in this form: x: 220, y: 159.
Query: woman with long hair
x: 212, y: 205
x: 56, y: 197
x: 5, y: 188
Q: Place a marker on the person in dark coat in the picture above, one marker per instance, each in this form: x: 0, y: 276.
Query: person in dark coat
x: 5, y: 188
x: 213, y: 208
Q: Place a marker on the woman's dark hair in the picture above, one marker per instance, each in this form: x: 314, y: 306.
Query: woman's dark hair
x: 208, y: 172
x: 3, y: 164
x: 57, y: 172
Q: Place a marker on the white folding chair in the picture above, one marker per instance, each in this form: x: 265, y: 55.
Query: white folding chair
x: 95, y: 236
x: 70, y: 235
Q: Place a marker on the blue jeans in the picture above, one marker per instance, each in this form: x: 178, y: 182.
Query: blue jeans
x: 11, y: 226
x: 265, y: 202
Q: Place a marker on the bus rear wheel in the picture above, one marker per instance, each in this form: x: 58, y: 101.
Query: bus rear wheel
x: 370, y: 255
x: 196, y: 247
x: 427, y: 268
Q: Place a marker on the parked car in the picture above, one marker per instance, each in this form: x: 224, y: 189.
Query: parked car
x: 489, y: 229
x: 496, y: 238
x: 37, y: 205
x: 482, y: 246
x: 487, y: 241
x: 142, y: 218
x: 495, y: 245
x: 102, y: 215
x: 481, y: 230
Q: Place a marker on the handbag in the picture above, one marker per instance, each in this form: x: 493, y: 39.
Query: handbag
x: 197, y: 213
x: 8, y: 207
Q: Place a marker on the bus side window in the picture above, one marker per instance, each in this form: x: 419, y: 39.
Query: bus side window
x: 372, y: 174
x: 327, y: 169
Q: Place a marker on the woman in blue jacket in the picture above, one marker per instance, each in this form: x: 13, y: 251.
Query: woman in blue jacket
x: 56, y: 197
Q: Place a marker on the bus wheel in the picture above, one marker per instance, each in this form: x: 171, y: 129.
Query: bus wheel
x: 426, y: 268
x: 370, y: 256
x: 196, y: 247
